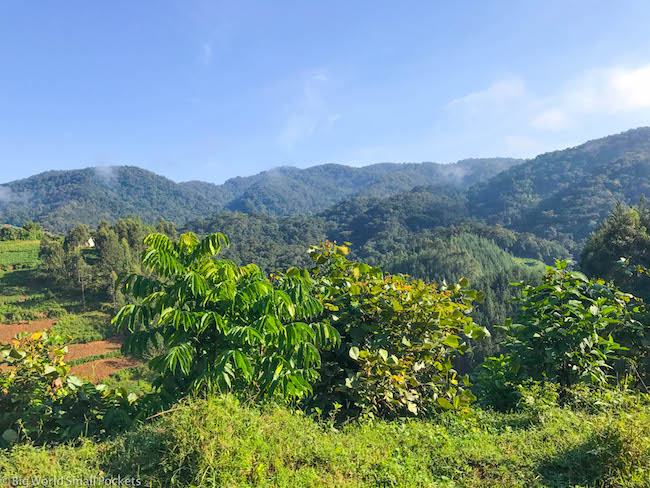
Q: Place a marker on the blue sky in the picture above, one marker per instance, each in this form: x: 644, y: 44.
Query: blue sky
x: 210, y: 90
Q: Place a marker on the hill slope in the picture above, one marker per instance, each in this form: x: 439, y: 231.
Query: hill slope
x: 62, y: 199
x: 564, y: 195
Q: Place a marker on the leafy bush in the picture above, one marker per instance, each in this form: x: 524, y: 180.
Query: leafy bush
x: 222, y: 326
x: 399, y: 338
x: 40, y: 401
x: 565, y: 330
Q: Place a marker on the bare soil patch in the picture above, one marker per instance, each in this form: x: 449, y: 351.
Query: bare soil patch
x: 9, y: 331
x: 96, y: 371
x: 76, y: 351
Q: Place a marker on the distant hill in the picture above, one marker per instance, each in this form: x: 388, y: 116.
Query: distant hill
x: 564, y: 195
x: 63, y: 199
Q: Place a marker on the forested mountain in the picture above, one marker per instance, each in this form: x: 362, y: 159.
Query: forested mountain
x: 287, y: 190
x: 564, y: 195
x: 62, y: 199
x: 560, y: 196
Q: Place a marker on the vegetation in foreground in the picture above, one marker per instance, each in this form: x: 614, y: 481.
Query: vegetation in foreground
x: 214, y: 442
x: 348, y: 377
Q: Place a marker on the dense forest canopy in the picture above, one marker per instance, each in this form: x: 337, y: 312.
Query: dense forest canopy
x: 561, y: 196
x: 565, y: 195
x: 62, y: 199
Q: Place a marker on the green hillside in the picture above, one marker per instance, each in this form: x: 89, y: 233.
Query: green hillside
x: 18, y: 253
x: 564, y: 195
x: 62, y: 199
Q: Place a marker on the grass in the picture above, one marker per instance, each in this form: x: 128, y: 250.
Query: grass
x: 95, y: 357
x: 19, y: 253
x: 86, y: 327
x: 25, y: 296
x: 217, y: 442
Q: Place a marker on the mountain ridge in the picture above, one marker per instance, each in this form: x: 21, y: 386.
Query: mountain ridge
x: 60, y: 199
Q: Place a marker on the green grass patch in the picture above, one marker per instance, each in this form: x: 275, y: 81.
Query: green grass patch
x: 86, y: 327
x: 25, y: 296
x: 95, y: 357
x: 218, y: 442
x: 19, y: 254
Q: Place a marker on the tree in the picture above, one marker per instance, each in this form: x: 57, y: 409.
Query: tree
x: 79, y: 272
x: 625, y: 234
x: 77, y: 237
x: 222, y: 326
x: 53, y: 257
x: 167, y: 228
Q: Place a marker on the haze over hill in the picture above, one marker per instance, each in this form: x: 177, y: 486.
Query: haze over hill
x: 561, y: 196
x: 62, y: 199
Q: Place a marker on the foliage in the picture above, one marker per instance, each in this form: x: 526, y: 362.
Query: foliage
x: 565, y: 330
x: 623, y: 235
x: 31, y: 231
x: 222, y: 326
x: 40, y: 401
x: 218, y: 442
x: 565, y: 195
x: 400, y: 338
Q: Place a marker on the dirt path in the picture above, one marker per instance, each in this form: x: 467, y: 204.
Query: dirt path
x: 76, y: 351
x: 9, y: 331
x: 96, y: 371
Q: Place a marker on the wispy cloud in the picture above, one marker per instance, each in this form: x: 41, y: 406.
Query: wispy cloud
x: 608, y: 91
x: 511, y: 115
x: 6, y: 195
x: 107, y: 173
x: 498, y: 94
x: 598, y: 92
x: 308, y: 111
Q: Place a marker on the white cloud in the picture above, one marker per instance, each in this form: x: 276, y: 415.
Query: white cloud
x: 6, y: 195
x: 552, y: 119
x: 632, y: 88
x: 603, y: 92
x: 499, y: 93
x: 524, y: 120
x: 107, y: 173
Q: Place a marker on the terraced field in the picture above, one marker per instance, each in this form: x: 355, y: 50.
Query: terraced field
x: 93, y: 344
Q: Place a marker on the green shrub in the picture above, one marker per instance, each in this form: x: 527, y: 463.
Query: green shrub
x: 567, y: 326
x: 223, y: 326
x: 40, y: 401
x: 400, y: 338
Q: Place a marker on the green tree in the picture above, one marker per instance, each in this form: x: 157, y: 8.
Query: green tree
x: 77, y: 237
x: 625, y: 234
x: 222, y: 326
x: 52, y: 256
